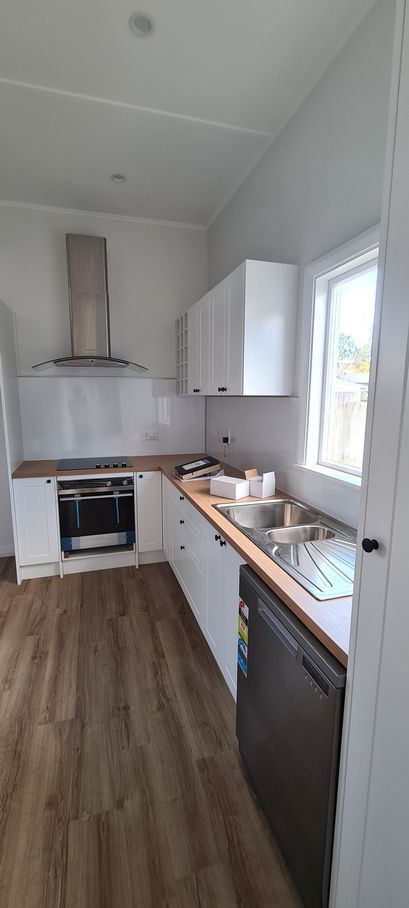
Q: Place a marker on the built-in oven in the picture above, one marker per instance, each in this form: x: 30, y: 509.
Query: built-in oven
x: 96, y: 513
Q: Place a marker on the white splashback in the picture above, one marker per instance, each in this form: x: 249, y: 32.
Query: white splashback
x: 83, y: 417
x: 265, y: 432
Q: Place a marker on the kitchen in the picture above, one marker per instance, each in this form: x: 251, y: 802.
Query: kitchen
x: 132, y: 640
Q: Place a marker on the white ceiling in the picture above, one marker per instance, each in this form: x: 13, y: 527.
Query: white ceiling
x: 184, y: 114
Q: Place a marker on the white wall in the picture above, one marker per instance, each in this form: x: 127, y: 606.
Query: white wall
x: 319, y: 185
x: 11, y: 443
x: 6, y: 529
x: 83, y: 417
x: 155, y: 273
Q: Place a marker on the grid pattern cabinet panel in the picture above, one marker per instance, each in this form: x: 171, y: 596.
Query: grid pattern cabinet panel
x: 182, y: 347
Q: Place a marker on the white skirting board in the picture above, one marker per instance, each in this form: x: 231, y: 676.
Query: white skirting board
x: 81, y: 563
x: 31, y: 571
x: 103, y: 562
x: 152, y: 557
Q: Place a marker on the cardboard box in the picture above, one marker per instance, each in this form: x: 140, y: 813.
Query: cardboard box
x: 229, y: 487
x: 263, y: 486
x: 240, y: 474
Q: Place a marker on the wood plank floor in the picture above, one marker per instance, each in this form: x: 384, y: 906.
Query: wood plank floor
x: 121, y: 785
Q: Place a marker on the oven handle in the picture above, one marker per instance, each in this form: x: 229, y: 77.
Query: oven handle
x: 109, y: 495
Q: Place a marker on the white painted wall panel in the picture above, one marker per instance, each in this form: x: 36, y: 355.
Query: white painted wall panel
x: 155, y: 272
x: 11, y: 443
x: 319, y: 185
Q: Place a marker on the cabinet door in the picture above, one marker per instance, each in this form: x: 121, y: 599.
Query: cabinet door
x: 218, y: 377
x: 231, y: 578
x: 234, y: 332
x: 166, y: 525
x: 149, y: 509
x: 214, y: 623
x: 188, y: 561
x: 37, y: 520
x: 198, y: 357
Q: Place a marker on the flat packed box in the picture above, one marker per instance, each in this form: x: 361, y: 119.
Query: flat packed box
x: 229, y: 487
x: 240, y: 474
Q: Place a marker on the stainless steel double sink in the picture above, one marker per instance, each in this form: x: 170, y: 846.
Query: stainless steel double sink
x: 318, y: 551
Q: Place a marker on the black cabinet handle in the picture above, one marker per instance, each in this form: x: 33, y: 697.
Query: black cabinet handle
x: 48, y: 480
x: 140, y: 476
x: 181, y: 497
x: 217, y: 537
x: 181, y: 521
x: 223, y: 542
x: 369, y: 545
x: 222, y: 389
x: 196, y: 390
x: 181, y: 548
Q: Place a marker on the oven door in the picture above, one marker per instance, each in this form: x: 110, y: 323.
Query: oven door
x: 96, y: 520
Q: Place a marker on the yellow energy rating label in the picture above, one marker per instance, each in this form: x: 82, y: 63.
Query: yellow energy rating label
x: 243, y: 629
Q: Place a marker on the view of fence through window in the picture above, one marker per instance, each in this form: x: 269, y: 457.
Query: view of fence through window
x: 348, y: 360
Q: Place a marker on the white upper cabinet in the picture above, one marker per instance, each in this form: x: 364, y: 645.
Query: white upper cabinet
x: 241, y: 337
x: 198, y: 347
x: 37, y: 521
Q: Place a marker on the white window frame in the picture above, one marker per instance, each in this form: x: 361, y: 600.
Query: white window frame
x: 313, y: 336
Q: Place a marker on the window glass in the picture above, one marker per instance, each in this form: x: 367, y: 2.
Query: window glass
x: 350, y: 317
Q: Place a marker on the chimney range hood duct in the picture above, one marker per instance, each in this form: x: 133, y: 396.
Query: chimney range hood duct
x: 89, y: 307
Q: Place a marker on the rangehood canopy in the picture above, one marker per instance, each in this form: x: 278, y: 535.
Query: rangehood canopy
x: 89, y: 307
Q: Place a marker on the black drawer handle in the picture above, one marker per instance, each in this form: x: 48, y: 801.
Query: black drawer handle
x: 181, y: 521
x: 196, y: 390
x: 217, y: 537
x: 223, y: 542
x: 181, y: 548
x: 48, y: 480
x: 222, y: 389
x: 369, y: 545
x: 181, y: 497
x: 140, y: 475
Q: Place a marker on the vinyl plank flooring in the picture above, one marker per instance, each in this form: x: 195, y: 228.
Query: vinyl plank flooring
x: 121, y: 785
x: 60, y: 684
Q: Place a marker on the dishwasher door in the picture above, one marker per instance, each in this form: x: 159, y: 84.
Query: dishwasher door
x: 289, y: 715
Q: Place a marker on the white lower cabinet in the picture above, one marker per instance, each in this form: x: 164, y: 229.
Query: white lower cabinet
x: 149, y: 511
x: 222, y: 604
x: 207, y: 569
x: 38, y: 534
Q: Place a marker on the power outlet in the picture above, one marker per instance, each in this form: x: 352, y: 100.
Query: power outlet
x: 151, y: 436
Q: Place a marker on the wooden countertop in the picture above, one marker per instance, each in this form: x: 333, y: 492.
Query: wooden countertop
x: 329, y: 620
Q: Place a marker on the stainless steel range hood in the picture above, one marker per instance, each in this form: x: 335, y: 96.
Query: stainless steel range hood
x: 89, y: 307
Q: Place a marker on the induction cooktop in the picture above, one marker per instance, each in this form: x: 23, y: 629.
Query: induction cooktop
x: 93, y: 463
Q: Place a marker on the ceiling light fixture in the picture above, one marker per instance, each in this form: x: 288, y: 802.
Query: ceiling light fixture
x: 142, y: 25
x: 117, y: 178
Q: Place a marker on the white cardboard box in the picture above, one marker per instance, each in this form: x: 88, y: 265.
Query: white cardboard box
x: 263, y: 486
x: 229, y: 487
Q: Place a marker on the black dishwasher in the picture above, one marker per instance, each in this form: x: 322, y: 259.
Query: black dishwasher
x: 290, y: 696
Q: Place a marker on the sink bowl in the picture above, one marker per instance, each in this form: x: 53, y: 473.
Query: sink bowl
x: 266, y: 515
x: 294, y: 535
x: 284, y: 529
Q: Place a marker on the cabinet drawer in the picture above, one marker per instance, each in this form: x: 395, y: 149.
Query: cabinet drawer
x: 189, y: 512
x: 189, y: 572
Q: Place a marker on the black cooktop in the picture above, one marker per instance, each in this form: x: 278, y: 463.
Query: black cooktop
x: 93, y: 463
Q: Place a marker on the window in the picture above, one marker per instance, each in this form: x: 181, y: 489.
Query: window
x: 343, y: 318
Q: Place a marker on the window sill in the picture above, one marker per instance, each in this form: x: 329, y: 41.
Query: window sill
x: 337, y: 475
